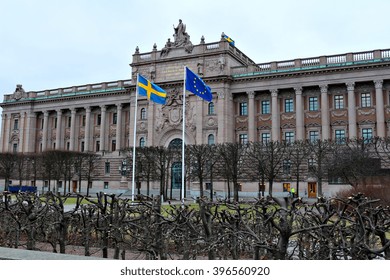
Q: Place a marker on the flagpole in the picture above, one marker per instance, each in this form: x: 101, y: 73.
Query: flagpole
x: 134, y: 139
x: 183, y: 138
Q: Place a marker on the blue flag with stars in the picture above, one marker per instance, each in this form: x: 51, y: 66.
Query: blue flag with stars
x: 196, y: 85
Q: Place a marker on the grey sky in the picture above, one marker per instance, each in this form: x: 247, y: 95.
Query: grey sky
x: 51, y: 44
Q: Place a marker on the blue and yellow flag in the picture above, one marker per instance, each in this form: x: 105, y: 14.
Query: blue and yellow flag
x: 230, y: 40
x: 196, y: 85
x: 152, y: 91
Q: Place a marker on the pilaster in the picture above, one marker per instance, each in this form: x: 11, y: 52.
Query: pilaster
x: 275, y: 131
x: 251, y: 117
x: 325, y: 122
x: 352, y: 126
x: 379, y: 109
x: 299, y: 114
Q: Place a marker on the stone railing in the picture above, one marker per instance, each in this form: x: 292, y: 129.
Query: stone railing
x: 202, y: 48
x: 74, y: 90
x: 315, y: 62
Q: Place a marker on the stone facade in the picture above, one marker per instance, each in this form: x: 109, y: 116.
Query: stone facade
x: 326, y: 97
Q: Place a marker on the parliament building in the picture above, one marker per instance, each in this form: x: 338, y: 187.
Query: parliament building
x: 325, y: 97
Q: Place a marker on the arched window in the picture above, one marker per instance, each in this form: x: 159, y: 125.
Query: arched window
x: 143, y: 114
x: 142, y: 142
x: 211, y: 108
x: 175, y: 144
x: 210, y: 139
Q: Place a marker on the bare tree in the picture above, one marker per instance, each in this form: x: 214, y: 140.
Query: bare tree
x: 299, y: 152
x: 354, y: 162
x: 320, y: 151
x: 275, y: 152
x: 201, y: 159
x: 232, y: 157
x: 7, y: 165
x: 91, y: 162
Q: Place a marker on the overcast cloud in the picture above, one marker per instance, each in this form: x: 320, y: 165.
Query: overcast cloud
x: 51, y: 44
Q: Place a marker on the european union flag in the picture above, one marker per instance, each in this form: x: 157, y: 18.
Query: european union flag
x: 230, y: 40
x: 196, y: 85
x: 152, y: 91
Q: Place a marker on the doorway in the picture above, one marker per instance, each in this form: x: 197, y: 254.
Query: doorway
x: 312, y: 190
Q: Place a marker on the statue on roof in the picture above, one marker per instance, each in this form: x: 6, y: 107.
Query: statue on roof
x: 182, y: 38
x: 19, y: 92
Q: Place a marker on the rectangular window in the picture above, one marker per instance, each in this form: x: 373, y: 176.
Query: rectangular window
x: 311, y: 162
x: 367, y: 134
x: 114, y: 118
x: 99, y: 119
x: 288, y: 105
x: 265, y: 137
x: 42, y: 123
x: 69, y: 121
x: 313, y: 103
x: 366, y: 100
x: 16, y: 124
x: 289, y: 136
x: 82, y: 146
x: 55, y: 122
x: 113, y: 145
x: 339, y: 102
x: 243, y: 138
x: 107, y: 167
x: 211, y: 109
x: 313, y: 136
x: 97, y: 146
x: 286, y: 166
x: 83, y: 121
x: 15, y: 147
x: 243, y: 109
x: 265, y: 107
x: 340, y: 136
x: 67, y: 146
x: 106, y: 185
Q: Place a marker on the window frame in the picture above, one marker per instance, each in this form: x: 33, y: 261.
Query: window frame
x: 289, y: 105
x: 313, y: 103
x: 265, y: 107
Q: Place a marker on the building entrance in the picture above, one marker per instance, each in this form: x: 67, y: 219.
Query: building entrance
x: 312, y: 190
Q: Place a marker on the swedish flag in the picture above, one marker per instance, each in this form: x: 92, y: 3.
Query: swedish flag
x: 152, y: 91
x: 230, y: 40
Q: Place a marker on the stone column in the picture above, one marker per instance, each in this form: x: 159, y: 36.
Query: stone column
x: 7, y: 147
x: 131, y: 121
x: 30, y: 132
x: 275, y: 116
x: 72, y: 129
x: 87, y: 132
x: 251, y: 117
x: 199, y: 121
x: 103, y: 131
x: 221, y: 117
x: 379, y: 109
x: 118, y: 126
x: 3, y: 134
x: 21, y: 131
x: 44, y: 132
x: 59, y: 130
x: 351, y: 110
x: 324, y: 113
x: 299, y: 114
